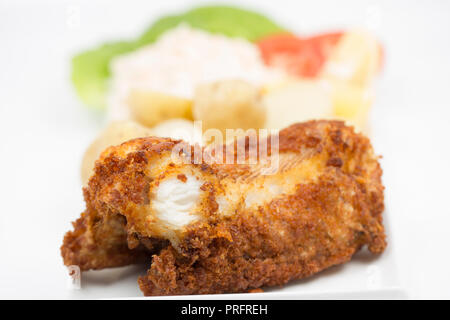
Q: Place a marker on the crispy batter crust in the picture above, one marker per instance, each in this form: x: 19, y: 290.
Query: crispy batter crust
x: 291, y: 238
x: 97, y: 245
x: 100, y: 238
x: 322, y: 223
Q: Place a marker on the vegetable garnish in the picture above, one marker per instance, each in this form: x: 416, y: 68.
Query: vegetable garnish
x: 299, y: 56
x: 90, y: 69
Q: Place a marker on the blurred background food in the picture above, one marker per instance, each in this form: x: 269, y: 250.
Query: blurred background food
x: 183, y: 129
x: 151, y: 107
x: 229, y: 104
x: 227, y: 68
x: 92, y: 68
x: 297, y: 99
x: 115, y: 133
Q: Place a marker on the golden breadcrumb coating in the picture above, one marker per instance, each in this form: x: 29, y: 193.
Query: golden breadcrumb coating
x: 241, y: 229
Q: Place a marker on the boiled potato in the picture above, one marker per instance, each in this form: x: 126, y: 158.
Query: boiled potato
x: 229, y: 104
x: 150, y: 108
x: 179, y: 129
x: 352, y: 103
x: 356, y: 59
x: 114, y: 134
x: 297, y: 101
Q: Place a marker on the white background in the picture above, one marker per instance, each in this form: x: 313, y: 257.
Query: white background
x: 44, y: 129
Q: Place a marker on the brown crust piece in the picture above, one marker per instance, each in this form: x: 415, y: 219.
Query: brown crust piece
x: 98, y: 243
x: 323, y: 223
x: 100, y: 238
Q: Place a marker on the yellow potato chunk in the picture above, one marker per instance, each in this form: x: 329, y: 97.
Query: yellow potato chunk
x: 179, y: 129
x: 229, y: 104
x: 150, y: 108
x: 301, y: 100
x: 297, y: 101
x: 114, y: 134
x: 352, y: 103
x: 356, y: 59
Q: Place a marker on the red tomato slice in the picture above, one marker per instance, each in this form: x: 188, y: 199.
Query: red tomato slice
x: 299, y: 57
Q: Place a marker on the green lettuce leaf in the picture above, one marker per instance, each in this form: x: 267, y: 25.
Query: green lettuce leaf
x: 90, y: 69
x: 90, y: 72
x: 232, y: 22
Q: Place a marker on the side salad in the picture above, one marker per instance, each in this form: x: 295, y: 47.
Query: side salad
x: 227, y: 68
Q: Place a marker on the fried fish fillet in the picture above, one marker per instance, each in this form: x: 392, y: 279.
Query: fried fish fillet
x: 218, y: 228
